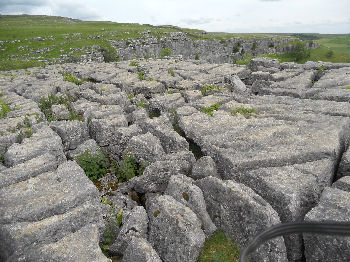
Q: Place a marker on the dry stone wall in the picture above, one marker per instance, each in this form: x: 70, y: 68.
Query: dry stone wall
x: 232, y: 148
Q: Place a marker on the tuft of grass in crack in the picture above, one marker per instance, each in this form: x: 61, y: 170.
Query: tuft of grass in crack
x: 73, y: 79
x: 5, y: 108
x: 46, y: 103
x: 207, y: 88
x: 171, y: 72
x: 133, y: 63
x: 141, y: 75
x: 218, y: 248
x: 246, y: 112
x: 165, y: 52
x: 210, y: 109
x: 95, y: 166
x: 348, y: 88
x: 98, y: 165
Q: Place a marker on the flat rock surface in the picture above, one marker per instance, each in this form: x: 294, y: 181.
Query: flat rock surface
x: 273, y: 136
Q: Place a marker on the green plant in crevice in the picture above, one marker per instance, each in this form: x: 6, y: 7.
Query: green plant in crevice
x: 120, y: 218
x: 150, y: 79
x: 218, y: 248
x: 5, y: 108
x: 245, y: 59
x: 2, y: 159
x: 210, y: 109
x: 196, y: 57
x: 73, y: 79
x: 348, y: 88
x: 141, y: 104
x: 109, y: 53
x: 236, y: 47
x: 171, y: 72
x: 133, y: 63
x: 109, y: 233
x: 207, y: 88
x: 254, y: 46
x: 129, y: 167
x: 95, y: 166
x: 46, y: 103
x: 246, y: 112
x: 165, y: 52
x: 141, y: 75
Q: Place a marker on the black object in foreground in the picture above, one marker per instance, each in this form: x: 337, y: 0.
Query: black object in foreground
x: 324, y: 228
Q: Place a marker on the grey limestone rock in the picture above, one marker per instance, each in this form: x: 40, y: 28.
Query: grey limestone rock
x: 44, y: 140
x: 182, y: 189
x: 145, y: 147
x: 334, y: 205
x: 46, y: 195
x: 60, y: 112
x: 135, y: 225
x: 89, y: 145
x: 102, y: 130
x: 174, y: 230
x: 263, y: 64
x: 31, y: 168
x: 343, y: 184
x: 81, y: 245
x: 238, y: 85
x: 17, y: 236
x: 121, y: 137
x: 163, y: 130
x: 344, y: 165
x: 72, y: 133
x: 156, y: 176
x: 141, y: 251
x: 167, y: 102
x: 241, y: 214
x: 205, y: 166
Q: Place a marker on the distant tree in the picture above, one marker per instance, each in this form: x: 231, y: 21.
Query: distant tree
x: 329, y: 54
x: 299, y: 52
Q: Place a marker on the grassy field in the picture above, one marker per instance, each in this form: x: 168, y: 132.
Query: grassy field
x: 33, y: 40
x: 334, y: 48
x: 30, y: 41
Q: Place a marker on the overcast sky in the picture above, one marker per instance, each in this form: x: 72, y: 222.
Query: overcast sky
x: 237, y: 16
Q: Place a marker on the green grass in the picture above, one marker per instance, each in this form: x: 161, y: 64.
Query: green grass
x: 218, y: 248
x: 5, y: 108
x: 348, y: 88
x: 334, y: 48
x: 245, y: 60
x: 210, y: 109
x: 141, y: 75
x: 207, y: 88
x: 246, y: 112
x: 46, y: 103
x: 73, y: 79
x: 171, y: 72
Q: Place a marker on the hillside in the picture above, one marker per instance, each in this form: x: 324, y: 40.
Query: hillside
x: 28, y: 41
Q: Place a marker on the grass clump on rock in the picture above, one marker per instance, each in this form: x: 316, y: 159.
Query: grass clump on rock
x: 5, y: 108
x: 246, y: 112
x: 98, y: 165
x: 218, y: 248
x: 210, y: 109
x: 73, y: 79
x: 207, y: 88
x: 95, y: 166
x: 46, y: 103
x: 141, y: 75
x: 165, y: 52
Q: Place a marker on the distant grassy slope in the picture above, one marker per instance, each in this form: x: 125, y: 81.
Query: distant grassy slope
x: 67, y: 39
x: 334, y: 48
